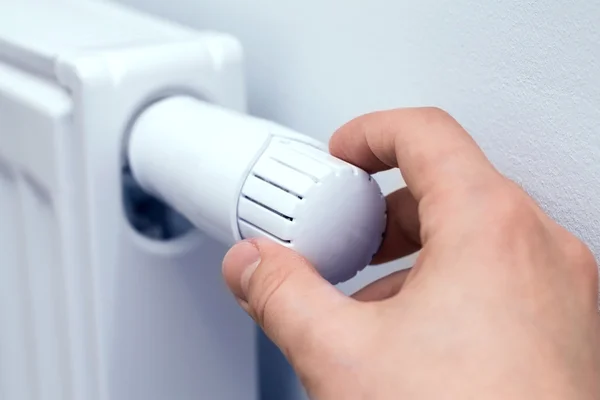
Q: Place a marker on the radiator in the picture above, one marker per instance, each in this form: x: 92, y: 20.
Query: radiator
x: 101, y: 300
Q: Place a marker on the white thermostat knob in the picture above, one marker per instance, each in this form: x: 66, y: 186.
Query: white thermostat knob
x: 237, y: 177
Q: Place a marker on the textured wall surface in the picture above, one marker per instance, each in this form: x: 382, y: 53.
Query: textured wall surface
x: 522, y: 76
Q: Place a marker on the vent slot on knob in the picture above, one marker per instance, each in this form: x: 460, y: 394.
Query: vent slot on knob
x: 265, y: 219
x: 262, y: 178
x: 271, y: 196
x: 258, y: 203
x: 248, y: 230
x: 284, y: 177
x: 278, y: 187
x: 267, y: 208
x: 287, y: 165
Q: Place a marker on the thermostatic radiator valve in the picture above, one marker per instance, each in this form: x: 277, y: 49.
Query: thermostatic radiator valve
x: 235, y: 177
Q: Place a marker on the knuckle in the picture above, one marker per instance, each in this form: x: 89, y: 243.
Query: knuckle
x: 438, y: 117
x: 510, y: 210
x: 436, y: 114
x: 583, y: 261
x: 511, y: 207
x: 505, y: 219
x: 581, y: 252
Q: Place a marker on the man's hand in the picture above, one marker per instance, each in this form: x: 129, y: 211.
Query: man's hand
x: 501, y: 303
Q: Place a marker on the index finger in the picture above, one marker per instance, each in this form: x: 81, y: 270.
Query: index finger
x: 431, y: 149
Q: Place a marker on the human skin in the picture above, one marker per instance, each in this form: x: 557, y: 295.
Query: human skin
x: 502, y: 302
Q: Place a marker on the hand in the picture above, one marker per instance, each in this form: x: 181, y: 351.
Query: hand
x: 502, y: 302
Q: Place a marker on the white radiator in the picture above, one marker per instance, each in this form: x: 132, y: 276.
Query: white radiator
x: 94, y: 303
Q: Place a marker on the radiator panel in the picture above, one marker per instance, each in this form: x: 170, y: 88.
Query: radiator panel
x: 46, y: 288
x: 17, y: 375
x: 34, y: 323
x: 90, y: 310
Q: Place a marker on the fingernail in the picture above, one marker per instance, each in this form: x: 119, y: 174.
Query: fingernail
x: 238, y: 266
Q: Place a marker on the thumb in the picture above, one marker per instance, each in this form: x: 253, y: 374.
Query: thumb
x: 282, y: 292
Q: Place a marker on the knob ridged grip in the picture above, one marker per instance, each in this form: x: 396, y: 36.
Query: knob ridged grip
x: 331, y: 212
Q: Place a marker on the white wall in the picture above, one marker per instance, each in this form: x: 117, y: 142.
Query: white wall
x: 522, y: 76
